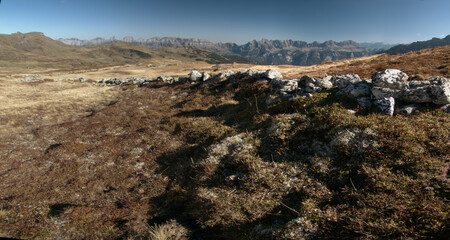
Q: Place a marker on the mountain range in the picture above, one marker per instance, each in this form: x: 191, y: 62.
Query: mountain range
x: 264, y: 51
x: 416, y: 46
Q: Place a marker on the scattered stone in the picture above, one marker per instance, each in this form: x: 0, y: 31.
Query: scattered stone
x: 31, y: 79
x: 386, y: 105
x: 435, y: 90
x: 123, y: 81
x: 390, y: 78
x: 342, y: 81
x: 408, y: 109
x: 195, y: 76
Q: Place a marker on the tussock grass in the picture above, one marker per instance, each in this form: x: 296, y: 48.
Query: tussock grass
x: 215, y: 161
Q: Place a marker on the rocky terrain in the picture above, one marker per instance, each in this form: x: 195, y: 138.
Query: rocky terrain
x: 356, y: 148
x: 263, y: 51
x: 416, y: 46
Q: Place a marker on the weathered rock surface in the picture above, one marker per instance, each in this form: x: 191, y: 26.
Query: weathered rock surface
x: 195, y: 76
x: 165, y: 78
x: 286, y: 86
x: 359, y: 89
x: 342, y: 81
x: 309, y: 84
x: 390, y: 78
x: 206, y: 76
x: 273, y: 74
x: 381, y: 92
x: 385, y: 105
x: 124, y: 81
x: 325, y: 82
x: 435, y: 90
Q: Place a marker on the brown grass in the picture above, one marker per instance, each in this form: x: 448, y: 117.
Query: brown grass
x: 79, y: 161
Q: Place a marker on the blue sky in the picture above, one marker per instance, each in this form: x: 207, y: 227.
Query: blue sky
x: 389, y: 21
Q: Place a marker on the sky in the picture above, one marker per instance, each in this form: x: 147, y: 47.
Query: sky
x: 239, y: 21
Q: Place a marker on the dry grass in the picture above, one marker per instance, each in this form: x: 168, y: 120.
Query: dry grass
x: 110, y: 162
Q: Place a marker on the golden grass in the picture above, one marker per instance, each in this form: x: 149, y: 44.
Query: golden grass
x: 47, y: 103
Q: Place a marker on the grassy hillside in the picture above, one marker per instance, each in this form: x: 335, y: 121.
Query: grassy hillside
x: 216, y: 162
x: 36, y: 51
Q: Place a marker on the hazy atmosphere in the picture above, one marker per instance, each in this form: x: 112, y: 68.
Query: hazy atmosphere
x: 389, y: 21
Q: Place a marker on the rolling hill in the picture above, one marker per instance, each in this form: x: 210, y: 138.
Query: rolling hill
x: 36, y: 51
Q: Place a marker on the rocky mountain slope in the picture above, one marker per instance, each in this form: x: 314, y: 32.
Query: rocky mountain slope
x: 265, y: 51
x: 416, y: 46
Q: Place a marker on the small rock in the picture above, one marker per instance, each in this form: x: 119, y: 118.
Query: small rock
x: 206, y: 76
x: 386, y: 105
x: 408, y: 109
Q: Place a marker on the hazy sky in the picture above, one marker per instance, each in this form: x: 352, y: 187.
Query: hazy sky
x: 390, y: 21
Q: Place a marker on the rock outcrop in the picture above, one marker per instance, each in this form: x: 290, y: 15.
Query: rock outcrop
x: 385, y: 91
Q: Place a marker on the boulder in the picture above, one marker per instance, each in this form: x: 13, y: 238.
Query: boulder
x: 390, y: 78
x: 342, y: 81
x: 195, y: 76
x: 385, y: 105
x: 286, y: 86
x: 435, y: 90
x: 359, y: 89
x: 272, y: 74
